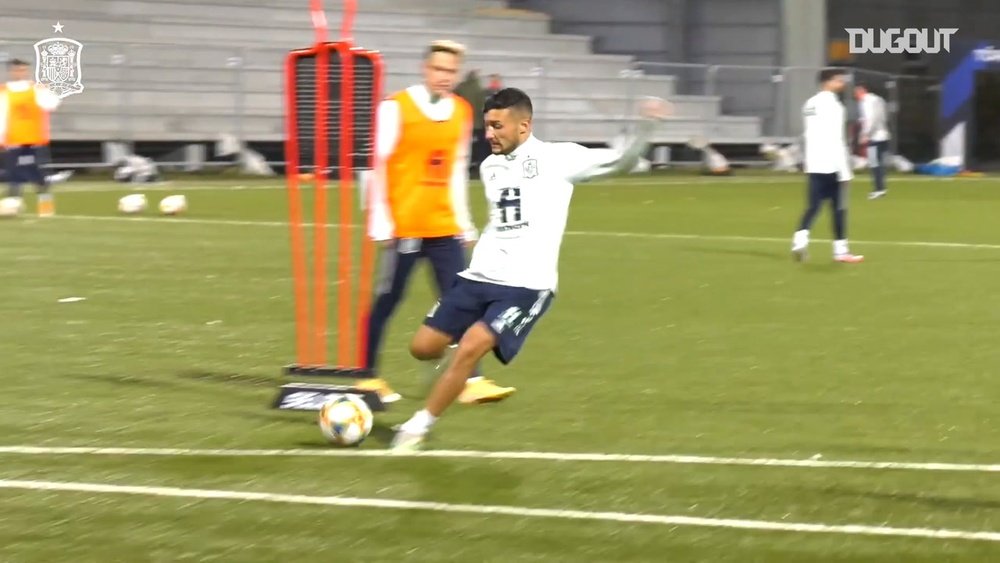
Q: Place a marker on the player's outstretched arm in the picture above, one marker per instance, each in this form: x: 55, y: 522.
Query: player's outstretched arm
x: 588, y: 164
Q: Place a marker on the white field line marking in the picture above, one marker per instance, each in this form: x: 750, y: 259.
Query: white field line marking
x: 518, y: 511
x: 499, y: 455
x: 609, y: 234
x: 99, y: 186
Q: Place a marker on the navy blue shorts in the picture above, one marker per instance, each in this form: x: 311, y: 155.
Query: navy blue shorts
x: 825, y: 186
x: 509, y: 312
x: 24, y: 164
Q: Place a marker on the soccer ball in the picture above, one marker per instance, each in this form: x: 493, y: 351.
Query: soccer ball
x: 345, y: 420
x: 11, y: 206
x: 132, y: 204
x: 173, y: 205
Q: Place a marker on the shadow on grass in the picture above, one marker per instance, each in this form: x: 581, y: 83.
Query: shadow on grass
x: 937, y: 502
x: 229, y: 378
x: 748, y: 252
x: 123, y: 380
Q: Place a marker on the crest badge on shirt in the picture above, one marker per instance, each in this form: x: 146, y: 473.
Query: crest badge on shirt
x: 57, y: 64
x: 530, y: 168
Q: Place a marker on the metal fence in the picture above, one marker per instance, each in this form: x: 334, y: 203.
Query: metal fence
x: 775, y: 94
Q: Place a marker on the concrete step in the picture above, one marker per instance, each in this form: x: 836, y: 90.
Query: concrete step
x: 401, y: 17
x: 272, y: 104
x: 558, y: 127
x: 573, y: 128
x: 206, y: 125
x: 285, y: 36
x: 110, y: 79
x: 97, y: 62
x: 333, y: 8
x: 264, y: 16
x: 220, y: 56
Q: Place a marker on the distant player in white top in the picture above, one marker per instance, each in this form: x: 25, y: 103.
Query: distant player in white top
x: 513, y: 275
x: 874, y: 135
x: 826, y: 165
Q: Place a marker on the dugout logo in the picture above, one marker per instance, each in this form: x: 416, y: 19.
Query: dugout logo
x: 57, y: 64
x: 895, y: 40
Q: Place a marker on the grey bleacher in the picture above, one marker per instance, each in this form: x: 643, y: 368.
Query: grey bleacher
x: 191, y: 69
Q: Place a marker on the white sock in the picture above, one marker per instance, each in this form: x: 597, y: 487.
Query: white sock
x: 420, y: 423
x: 800, y: 239
x: 476, y: 379
x: 840, y: 247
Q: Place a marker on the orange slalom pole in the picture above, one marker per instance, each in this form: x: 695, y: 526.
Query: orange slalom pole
x: 367, y: 245
x: 321, y: 162
x: 346, y: 183
x: 346, y: 202
x: 300, y: 273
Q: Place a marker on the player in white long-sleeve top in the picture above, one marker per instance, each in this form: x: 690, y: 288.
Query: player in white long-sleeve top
x: 874, y: 136
x: 513, y: 275
x: 827, y: 165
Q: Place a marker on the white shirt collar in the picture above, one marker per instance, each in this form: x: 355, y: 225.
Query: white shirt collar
x: 830, y: 94
x: 523, y: 148
x: 441, y: 110
x: 19, y: 86
x: 421, y: 94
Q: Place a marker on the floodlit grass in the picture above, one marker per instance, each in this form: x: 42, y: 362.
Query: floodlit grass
x: 681, y: 326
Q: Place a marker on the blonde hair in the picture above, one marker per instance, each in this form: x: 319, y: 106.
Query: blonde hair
x: 446, y: 46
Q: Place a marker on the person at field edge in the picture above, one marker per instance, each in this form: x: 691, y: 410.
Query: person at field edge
x: 472, y: 91
x: 827, y: 165
x: 512, y: 278
x: 24, y: 132
x: 419, y: 200
x: 874, y: 135
x: 495, y: 84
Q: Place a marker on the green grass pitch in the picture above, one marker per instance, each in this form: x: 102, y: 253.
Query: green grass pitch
x: 681, y: 326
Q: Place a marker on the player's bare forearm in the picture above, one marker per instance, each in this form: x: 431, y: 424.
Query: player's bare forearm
x: 637, y: 145
x: 652, y: 111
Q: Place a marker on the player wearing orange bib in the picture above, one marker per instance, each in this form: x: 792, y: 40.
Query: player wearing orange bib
x: 419, y: 199
x: 24, y: 132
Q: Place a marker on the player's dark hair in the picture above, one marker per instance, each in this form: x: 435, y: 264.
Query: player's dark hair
x: 827, y: 74
x: 16, y: 62
x: 509, y: 98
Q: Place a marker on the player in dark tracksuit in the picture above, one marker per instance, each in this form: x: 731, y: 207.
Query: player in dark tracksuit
x: 418, y: 198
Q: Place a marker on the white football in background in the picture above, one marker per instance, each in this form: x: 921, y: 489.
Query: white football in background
x: 132, y: 204
x: 11, y: 206
x: 173, y: 205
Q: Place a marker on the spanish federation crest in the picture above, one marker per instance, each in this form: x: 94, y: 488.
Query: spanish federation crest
x: 530, y: 168
x: 57, y: 65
